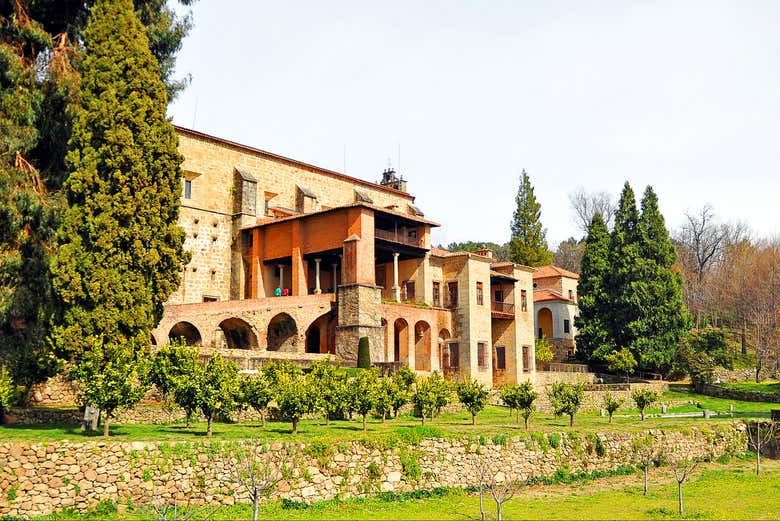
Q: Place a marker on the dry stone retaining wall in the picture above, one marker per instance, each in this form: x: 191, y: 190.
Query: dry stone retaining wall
x: 37, y: 479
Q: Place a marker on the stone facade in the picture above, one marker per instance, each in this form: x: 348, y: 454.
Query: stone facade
x: 555, y: 309
x: 39, y: 479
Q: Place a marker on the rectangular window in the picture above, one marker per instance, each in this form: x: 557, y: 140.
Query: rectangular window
x: 409, y: 285
x: 571, y: 295
x: 210, y: 299
x: 480, y: 297
x: 187, y: 189
x: 482, y: 355
x: 454, y: 360
x: 566, y: 325
x: 523, y: 300
x: 526, y: 359
x: 452, y: 295
x: 437, y: 294
x: 266, y: 207
x: 499, y: 295
x: 500, y: 358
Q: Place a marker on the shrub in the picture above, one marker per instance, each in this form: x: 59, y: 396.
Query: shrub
x: 555, y: 439
x: 373, y: 471
x: 7, y: 391
x: 611, y: 404
x: 566, y: 399
x: 364, y: 353
x: 543, y: 352
x: 622, y: 361
x: 474, y: 397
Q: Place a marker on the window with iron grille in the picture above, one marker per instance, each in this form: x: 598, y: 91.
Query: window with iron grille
x: 566, y: 325
x: 480, y: 294
x: 437, y: 294
x: 500, y: 358
x: 523, y: 300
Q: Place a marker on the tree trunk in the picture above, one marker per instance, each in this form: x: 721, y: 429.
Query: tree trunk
x: 105, y: 425
x: 384, y: 416
x: 646, y: 469
x: 481, y: 501
x: 526, y: 423
x: 364, y: 423
x: 744, y: 337
x: 423, y: 418
x: 327, y: 419
x: 758, y: 456
x: 256, y: 501
x: 680, y: 498
x: 498, y: 510
x: 209, y: 430
x: 610, y: 417
x: 571, y: 420
x: 295, y: 425
x: 642, y: 412
x: 188, y: 423
x: 473, y: 419
x: 262, y: 418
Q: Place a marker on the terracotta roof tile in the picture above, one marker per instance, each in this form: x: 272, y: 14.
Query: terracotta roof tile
x: 544, y: 295
x: 551, y: 270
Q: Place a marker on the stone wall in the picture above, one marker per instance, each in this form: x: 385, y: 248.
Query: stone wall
x: 719, y: 391
x: 38, y: 479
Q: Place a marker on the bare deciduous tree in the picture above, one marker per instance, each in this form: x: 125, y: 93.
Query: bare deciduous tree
x: 683, y: 467
x: 497, y: 483
x: 644, y: 454
x: 254, y: 467
x: 161, y: 509
x: 759, y: 436
x: 585, y: 205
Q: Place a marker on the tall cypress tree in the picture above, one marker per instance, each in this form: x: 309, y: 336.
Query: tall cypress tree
x: 624, y: 259
x: 659, y: 291
x: 528, y: 244
x: 593, y: 334
x: 120, y: 252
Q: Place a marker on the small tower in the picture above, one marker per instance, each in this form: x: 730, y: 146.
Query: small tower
x: 389, y: 179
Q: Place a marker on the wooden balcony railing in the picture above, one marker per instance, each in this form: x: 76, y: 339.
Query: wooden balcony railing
x: 502, y: 307
x: 393, y: 236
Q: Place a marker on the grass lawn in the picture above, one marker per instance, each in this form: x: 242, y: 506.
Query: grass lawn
x: 715, y: 491
x: 767, y: 386
x: 492, y: 421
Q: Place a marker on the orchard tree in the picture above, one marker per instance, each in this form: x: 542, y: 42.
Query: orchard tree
x: 525, y: 396
x: 593, y: 332
x: 612, y: 404
x: 170, y: 364
x: 326, y: 380
x: 644, y: 454
x: 621, y: 362
x: 218, y: 389
x: 256, y: 392
x: 294, y: 397
x: 364, y: 388
x: 120, y: 250
x: 111, y: 376
x: 474, y: 397
x: 566, y: 399
x: 403, y: 383
x: 528, y: 244
x: 644, y: 398
x: 385, y: 397
x: 425, y: 397
x: 543, y: 352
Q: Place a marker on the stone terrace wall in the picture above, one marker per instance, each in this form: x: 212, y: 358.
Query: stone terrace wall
x: 38, y: 479
x: 719, y: 391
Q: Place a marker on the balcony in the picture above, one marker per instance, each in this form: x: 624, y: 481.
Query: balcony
x: 504, y: 310
x: 400, y: 238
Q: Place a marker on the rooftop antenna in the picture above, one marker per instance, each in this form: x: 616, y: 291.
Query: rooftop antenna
x: 194, y: 113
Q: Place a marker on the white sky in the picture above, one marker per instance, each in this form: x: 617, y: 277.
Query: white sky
x: 681, y: 95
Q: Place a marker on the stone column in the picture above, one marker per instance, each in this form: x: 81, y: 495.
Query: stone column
x: 335, y: 272
x: 396, y: 287
x: 317, y: 289
x: 281, y: 276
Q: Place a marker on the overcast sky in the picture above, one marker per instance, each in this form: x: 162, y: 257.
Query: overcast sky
x: 681, y: 95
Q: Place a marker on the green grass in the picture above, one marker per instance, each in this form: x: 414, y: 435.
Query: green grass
x: 493, y: 421
x: 768, y: 386
x: 716, y: 491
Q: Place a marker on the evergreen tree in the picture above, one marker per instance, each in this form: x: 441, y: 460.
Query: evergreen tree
x: 623, y: 308
x: 593, y: 334
x: 120, y: 251
x: 28, y: 215
x: 528, y: 245
x: 663, y: 320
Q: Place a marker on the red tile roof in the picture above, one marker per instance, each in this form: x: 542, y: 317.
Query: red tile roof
x: 543, y: 272
x: 544, y: 295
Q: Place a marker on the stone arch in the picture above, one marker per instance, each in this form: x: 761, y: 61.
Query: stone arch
x: 319, y: 335
x: 544, y: 323
x: 238, y: 334
x: 186, y: 332
x: 282, y: 333
x: 422, y: 346
x: 400, y: 340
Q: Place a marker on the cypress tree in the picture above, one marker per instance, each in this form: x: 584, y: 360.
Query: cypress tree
x: 593, y: 336
x: 120, y: 248
x: 659, y: 291
x: 528, y: 244
x: 624, y: 310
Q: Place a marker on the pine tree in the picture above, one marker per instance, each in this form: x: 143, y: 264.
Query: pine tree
x: 28, y: 215
x: 528, y: 244
x: 659, y: 291
x: 120, y: 248
x: 593, y: 335
x: 624, y: 258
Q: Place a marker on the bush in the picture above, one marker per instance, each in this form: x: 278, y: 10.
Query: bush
x: 611, y: 404
x: 566, y: 399
x: 643, y: 398
x: 364, y: 353
x: 474, y: 397
x: 7, y: 391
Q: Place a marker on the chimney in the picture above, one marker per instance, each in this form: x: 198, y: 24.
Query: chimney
x: 389, y: 179
x: 484, y: 252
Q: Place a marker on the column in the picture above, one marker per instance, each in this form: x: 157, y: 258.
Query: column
x: 396, y: 287
x: 281, y: 277
x: 317, y: 289
x: 335, y: 271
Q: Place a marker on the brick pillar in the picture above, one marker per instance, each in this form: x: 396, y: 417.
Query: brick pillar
x: 258, y: 288
x: 299, y: 266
